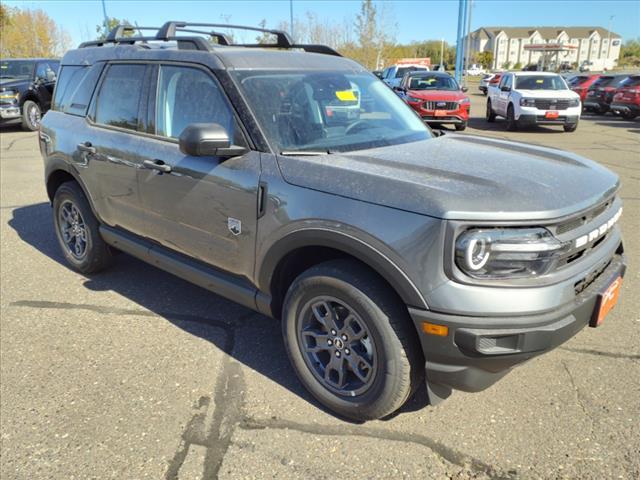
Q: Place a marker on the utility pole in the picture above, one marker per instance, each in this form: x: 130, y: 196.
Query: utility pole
x: 291, y: 18
x: 467, y: 47
x: 609, y: 39
x: 106, y: 19
x: 462, y: 15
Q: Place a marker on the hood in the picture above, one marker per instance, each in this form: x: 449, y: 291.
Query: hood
x: 460, y: 177
x: 442, y: 95
x: 548, y: 93
x: 7, y: 83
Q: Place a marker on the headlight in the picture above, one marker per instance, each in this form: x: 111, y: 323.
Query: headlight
x: 413, y: 99
x: 464, y: 100
x: 574, y: 102
x: 9, y: 95
x: 507, y: 253
x: 527, y: 102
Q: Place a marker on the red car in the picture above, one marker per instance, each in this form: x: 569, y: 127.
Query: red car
x: 626, y: 100
x: 436, y: 97
x: 600, y: 93
x: 581, y: 83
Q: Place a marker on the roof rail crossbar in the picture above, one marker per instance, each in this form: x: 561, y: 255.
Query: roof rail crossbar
x: 120, y: 30
x: 219, y: 36
x: 283, y: 40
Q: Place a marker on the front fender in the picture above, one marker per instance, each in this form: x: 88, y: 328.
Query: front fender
x: 372, y: 256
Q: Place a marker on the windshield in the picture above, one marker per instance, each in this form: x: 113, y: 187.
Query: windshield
x: 631, y: 82
x: 540, y: 82
x: 328, y: 111
x: 432, y: 82
x: 16, y: 69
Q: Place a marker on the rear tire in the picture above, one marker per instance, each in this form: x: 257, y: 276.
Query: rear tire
x: 351, y: 341
x: 512, y: 123
x: 77, y: 230
x: 490, y: 116
x: 31, y: 115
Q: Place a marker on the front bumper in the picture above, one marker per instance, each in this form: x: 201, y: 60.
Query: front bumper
x: 625, y: 108
x: 563, y: 118
x: 478, y: 351
x: 593, y: 104
x: 10, y: 112
x: 450, y: 118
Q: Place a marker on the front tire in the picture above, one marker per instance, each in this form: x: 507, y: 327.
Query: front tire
x: 460, y: 126
x: 351, y: 341
x: 571, y: 128
x: 512, y: 123
x: 629, y: 115
x: 31, y: 115
x: 77, y: 230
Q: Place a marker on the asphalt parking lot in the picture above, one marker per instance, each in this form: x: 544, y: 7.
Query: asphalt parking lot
x: 134, y: 373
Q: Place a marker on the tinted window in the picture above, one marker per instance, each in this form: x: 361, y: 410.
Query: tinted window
x: 47, y: 71
x: 602, y: 82
x: 402, y: 70
x: 16, y: 68
x: 119, y: 97
x: 631, y: 82
x: 81, y: 96
x: 188, y: 95
x: 67, y: 81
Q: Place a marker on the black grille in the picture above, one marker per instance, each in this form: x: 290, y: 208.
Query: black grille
x: 584, y: 219
x: 432, y: 105
x: 551, y: 104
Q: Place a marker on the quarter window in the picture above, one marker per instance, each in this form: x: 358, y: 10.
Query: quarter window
x: 189, y: 95
x: 119, y: 96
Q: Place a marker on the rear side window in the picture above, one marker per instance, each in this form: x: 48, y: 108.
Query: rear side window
x: 189, y: 95
x: 67, y: 81
x: 82, y: 94
x: 118, y: 103
x: 603, y: 82
x: 47, y: 71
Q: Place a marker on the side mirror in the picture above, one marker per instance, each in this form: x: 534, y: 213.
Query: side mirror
x: 399, y: 89
x: 464, y: 89
x: 505, y: 88
x: 208, y: 140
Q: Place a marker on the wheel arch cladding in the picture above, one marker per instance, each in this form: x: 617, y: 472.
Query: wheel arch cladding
x: 293, y: 254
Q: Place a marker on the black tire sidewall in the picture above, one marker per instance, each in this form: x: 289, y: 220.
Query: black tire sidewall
x: 70, y: 191
x: 372, y: 403
x: 512, y: 124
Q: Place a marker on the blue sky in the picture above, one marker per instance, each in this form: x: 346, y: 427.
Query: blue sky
x: 416, y: 20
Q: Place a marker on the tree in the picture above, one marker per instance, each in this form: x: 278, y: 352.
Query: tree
x: 630, y: 53
x: 485, y: 59
x: 102, y: 30
x: 517, y: 66
x: 31, y: 33
x: 374, y: 34
x: 264, y: 37
x: 506, y: 65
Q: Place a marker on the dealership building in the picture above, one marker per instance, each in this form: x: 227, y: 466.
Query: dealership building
x: 527, y: 45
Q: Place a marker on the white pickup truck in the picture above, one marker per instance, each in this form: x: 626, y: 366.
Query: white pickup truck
x: 534, y: 98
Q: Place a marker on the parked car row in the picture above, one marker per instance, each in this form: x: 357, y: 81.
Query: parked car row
x: 618, y: 94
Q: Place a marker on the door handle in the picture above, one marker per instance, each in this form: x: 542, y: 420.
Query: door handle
x: 86, y: 147
x: 158, y: 165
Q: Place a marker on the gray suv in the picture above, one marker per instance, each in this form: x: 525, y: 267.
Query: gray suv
x: 292, y: 181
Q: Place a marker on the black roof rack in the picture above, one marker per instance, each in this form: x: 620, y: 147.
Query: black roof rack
x: 169, y: 32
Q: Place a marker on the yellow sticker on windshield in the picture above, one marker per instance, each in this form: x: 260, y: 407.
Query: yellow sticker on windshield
x: 540, y: 80
x: 346, y: 96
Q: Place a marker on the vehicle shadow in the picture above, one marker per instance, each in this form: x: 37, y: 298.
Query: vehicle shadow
x: 250, y: 338
x: 499, y: 125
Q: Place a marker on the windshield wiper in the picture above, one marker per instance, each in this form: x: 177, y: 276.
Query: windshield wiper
x: 302, y: 153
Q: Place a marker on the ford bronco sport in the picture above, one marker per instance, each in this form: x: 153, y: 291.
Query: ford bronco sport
x: 391, y: 255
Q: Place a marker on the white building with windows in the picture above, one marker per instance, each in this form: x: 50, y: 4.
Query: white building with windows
x: 596, y: 45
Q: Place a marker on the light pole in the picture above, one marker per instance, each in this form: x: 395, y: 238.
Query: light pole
x: 467, y: 47
x: 106, y: 19
x: 441, y: 54
x: 291, y: 18
x: 609, y: 39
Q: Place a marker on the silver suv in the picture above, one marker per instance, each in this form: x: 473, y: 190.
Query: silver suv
x: 391, y: 255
